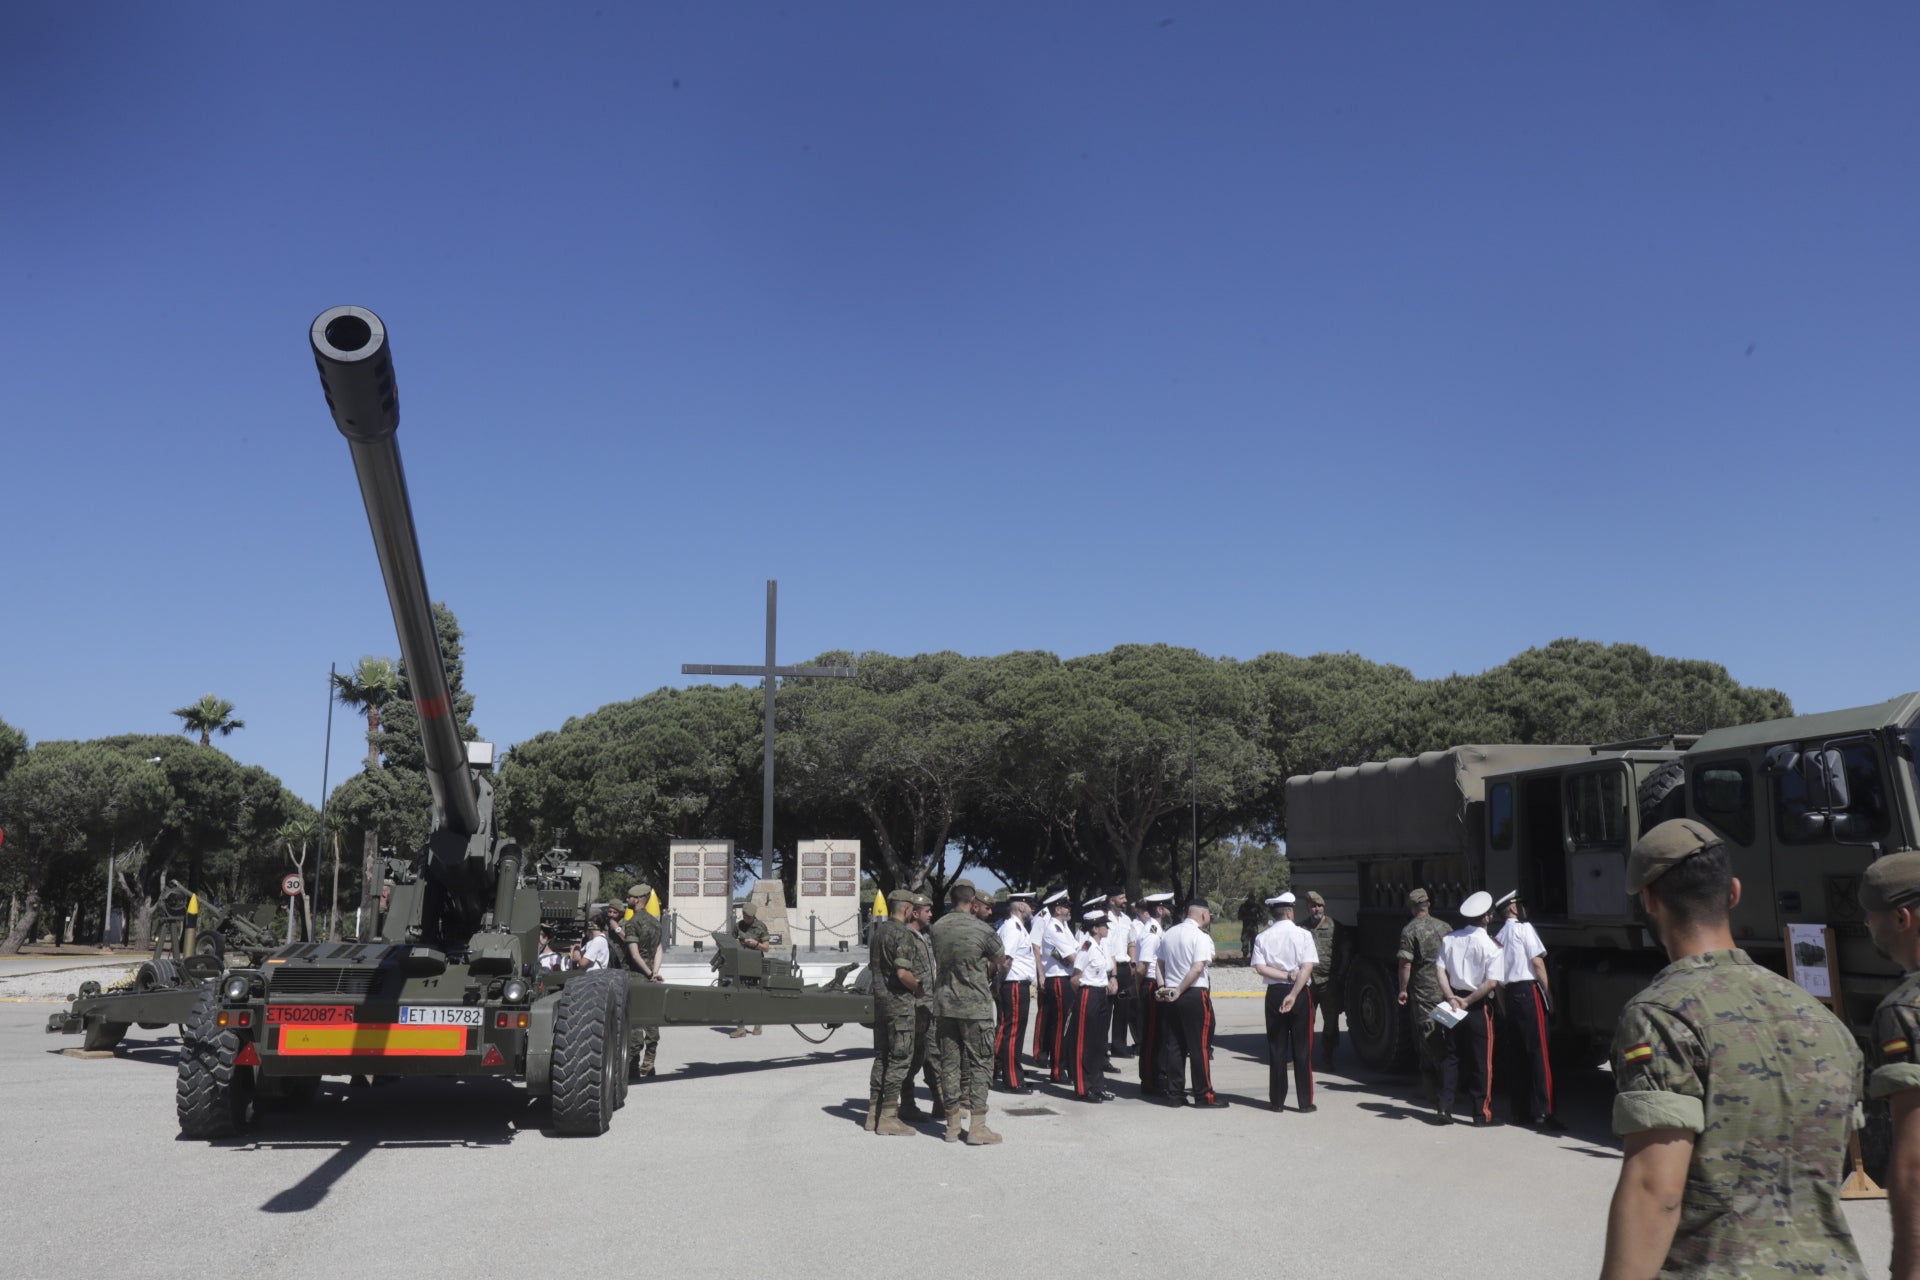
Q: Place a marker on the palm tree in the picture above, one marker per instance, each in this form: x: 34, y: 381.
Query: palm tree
x: 371, y: 685
x: 207, y: 717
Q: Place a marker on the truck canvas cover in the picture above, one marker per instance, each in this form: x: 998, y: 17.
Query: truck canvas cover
x: 1410, y: 806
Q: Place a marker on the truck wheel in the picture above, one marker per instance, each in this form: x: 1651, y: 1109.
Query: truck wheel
x: 589, y: 1052
x: 211, y: 944
x: 102, y: 1035
x: 1659, y: 796
x: 156, y: 975
x: 212, y: 1097
x: 1375, y: 1019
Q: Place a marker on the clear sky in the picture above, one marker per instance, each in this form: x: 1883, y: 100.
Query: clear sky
x: 1432, y: 332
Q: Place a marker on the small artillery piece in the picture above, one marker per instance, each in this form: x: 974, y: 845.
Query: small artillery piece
x: 450, y: 985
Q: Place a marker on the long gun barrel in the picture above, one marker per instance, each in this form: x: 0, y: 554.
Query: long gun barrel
x: 356, y: 371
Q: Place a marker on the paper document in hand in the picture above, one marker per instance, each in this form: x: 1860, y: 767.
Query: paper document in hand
x: 1448, y: 1016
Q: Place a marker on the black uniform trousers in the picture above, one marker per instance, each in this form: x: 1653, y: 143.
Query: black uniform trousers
x: 1289, y: 1040
x: 1059, y: 993
x: 1091, y: 1013
x: 1194, y: 1011
x: 1010, y: 1031
x: 1529, y: 1068
x: 1152, y: 1033
x: 1049, y: 1039
x: 1122, y: 1004
x: 1467, y: 1068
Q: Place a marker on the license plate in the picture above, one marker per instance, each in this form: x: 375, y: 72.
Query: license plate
x: 373, y: 1040
x: 309, y: 1015
x: 440, y: 1015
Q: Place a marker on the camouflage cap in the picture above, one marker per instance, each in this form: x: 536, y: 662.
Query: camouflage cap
x: 1892, y: 881
x: 1315, y: 900
x: 747, y: 908
x: 640, y: 891
x: 1417, y: 898
x: 919, y: 899
x: 1666, y: 847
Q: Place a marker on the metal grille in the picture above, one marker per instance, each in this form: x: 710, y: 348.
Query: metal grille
x: 321, y: 980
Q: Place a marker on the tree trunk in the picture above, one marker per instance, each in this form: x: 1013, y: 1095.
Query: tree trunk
x: 25, y: 920
x: 370, y: 886
x: 373, y: 727
x: 206, y: 738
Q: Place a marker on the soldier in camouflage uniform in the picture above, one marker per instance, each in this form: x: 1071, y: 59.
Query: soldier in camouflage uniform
x: 1735, y: 1092
x: 639, y: 939
x: 1890, y: 892
x: 925, y: 1063
x: 1419, y: 955
x: 1328, y: 975
x: 751, y: 934
x: 970, y: 957
x: 893, y: 959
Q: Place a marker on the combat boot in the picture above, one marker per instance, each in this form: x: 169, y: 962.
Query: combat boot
x: 889, y: 1125
x: 978, y: 1135
x: 910, y: 1110
x: 873, y: 1111
x: 956, y: 1123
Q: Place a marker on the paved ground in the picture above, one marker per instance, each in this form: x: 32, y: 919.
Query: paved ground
x: 750, y: 1157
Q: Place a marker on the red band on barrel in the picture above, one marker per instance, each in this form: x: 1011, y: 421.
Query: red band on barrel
x: 431, y: 708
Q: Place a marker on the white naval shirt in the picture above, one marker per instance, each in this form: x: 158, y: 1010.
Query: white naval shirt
x: 1057, y: 946
x: 1146, y: 933
x: 1469, y: 957
x: 1519, y: 944
x: 1284, y: 945
x: 1119, y: 933
x: 1182, y: 947
x: 1092, y: 966
x: 1018, y: 942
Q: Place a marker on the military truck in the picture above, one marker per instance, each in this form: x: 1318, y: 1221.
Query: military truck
x: 1805, y: 803
x: 450, y: 984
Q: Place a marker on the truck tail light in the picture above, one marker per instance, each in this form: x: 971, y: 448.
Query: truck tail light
x: 510, y: 1020
x: 493, y: 1058
x: 233, y: 1018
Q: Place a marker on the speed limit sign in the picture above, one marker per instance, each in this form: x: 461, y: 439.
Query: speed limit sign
x: 290, y: 886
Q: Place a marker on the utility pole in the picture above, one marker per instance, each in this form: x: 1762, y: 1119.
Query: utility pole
x: 326, y: 760
x: 1193, y: 773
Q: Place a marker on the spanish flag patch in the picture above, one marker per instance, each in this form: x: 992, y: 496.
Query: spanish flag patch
x: 1638, y: 1053
x: 1892, y: 1047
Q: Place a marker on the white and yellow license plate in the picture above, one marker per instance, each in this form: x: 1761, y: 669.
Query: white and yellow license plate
x: 441, y: 1015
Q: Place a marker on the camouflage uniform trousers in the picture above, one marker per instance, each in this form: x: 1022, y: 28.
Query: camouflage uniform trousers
x: 1326, y: 1000
x: 1430, y: 1042
x: 643, y: 1039
x: 924, y: 1062
x: 965, y: 1061
x: 892, y: 1052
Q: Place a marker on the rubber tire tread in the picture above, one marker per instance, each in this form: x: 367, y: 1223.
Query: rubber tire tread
x: 588, y: 1034
x: 212, y: 1097
x: 157, y: 974
x: 1400, y: 1056
x: 1654, y: 790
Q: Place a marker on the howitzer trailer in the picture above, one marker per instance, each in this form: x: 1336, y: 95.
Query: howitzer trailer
x: 1805, y: 804
x: 451, y: 986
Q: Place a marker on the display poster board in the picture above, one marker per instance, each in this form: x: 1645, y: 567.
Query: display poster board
x: 1810, y: 960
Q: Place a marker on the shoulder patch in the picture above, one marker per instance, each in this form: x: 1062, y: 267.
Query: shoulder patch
x: 1638, y: 1053
x: 1892, y: 1047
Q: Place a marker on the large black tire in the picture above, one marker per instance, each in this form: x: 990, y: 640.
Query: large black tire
x: 211, y: 944
x: 589, y: 1052
x: 158, y: 974
x: 1660, y: 796
x: 1375, y: 1019
x: 212, y: 1097
x: 100, y: 1036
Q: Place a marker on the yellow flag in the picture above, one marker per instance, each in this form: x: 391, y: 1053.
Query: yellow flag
x: 193, y: 904
x: 653, y: 905
x: 879, y: 904
x: 628, y: 915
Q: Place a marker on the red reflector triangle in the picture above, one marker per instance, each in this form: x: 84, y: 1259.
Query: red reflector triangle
x: 247, y: 1057
x: 493, y: 1058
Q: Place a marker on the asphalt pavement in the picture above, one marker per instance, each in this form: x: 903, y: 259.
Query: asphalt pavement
x: 748, y: 1156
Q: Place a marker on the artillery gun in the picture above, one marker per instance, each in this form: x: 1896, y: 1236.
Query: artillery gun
x: 449, y: 985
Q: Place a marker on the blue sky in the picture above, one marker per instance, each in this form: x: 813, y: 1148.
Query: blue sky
x: 1428, y: 332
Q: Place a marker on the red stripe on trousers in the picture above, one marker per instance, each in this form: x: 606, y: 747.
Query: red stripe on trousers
x: 1080, y: 1048
x: 1013, y: 1041
x: 1546, y: 1058
x: 1486, y: 1095
x: 1206, y: 1038
x: 1059, y: 1024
